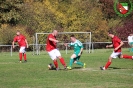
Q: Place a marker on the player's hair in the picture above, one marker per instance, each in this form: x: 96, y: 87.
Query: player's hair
x: 72, y: 36
x: 110, y: 31
x: 18, y: 30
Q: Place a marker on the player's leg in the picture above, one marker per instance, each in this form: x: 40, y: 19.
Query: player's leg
x: 25, y: 57
x: 56, y: 64
x: 24, y: 54
x: 131, y: 46
x: 62, y: 61
x: 58, y: 54
x: 108, y: 63
x: 130, y: 49
x: 78, y: 62
x: 71, y: 61
x: 20, y: 54
x: 126, y: 57
x: 53, y: 57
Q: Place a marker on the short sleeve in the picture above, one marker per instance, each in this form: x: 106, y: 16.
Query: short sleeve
x: 71, y: 44
x: 118, y: 40
x: 80, y: 44
x: 15, y: 39
x: 24, y: 37
x: 50, y: 36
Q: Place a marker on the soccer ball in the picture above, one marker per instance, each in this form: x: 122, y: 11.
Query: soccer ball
x: 51, y: 66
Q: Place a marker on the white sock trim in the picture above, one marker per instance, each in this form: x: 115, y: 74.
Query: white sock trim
x: 103, y: 68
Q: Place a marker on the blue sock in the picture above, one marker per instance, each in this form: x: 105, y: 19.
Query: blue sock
x: 79, y: 63
x: 71, y: 62
x: 131, y: 49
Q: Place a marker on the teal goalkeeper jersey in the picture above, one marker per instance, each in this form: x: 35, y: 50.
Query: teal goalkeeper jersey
x: 77, y: 46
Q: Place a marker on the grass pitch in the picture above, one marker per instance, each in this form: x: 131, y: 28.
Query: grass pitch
x: 35, y: 74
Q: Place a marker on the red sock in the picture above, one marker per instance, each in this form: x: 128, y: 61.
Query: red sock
x: 127, y: 57
x: 55, y: 63
x: 62, y: 62
x: 107, y: 64
x: 25, y: 56
x: 20, y: 56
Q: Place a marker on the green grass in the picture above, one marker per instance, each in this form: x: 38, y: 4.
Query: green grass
x: 35, y: 74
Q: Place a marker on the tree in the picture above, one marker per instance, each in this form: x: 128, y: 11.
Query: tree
x: 10, y: 11
x: 108, y: 8
x: 64, y: 15
x: 8, y: 32
x: 124, y: 30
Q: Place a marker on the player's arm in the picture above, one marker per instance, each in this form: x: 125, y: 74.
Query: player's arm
x: 27, y: 45
x: 81, y: 50
x: 121, y: 44
x: 13, y: 44
x: 68, y: 44
x: 109, y: 46
x: 54, y: 40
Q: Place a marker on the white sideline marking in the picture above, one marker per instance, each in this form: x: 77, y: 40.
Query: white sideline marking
x: 122, y: 73
x: 110, y: 71
x: 86, y: 69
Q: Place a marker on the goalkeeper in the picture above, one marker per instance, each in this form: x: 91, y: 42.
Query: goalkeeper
x: 78, y: 49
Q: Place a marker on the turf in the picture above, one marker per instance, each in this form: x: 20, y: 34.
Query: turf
x: 35, y: 74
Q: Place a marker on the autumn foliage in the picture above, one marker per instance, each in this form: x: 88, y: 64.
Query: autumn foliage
x: 31, y: 16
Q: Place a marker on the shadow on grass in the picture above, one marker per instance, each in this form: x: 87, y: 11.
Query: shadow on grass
x: 66, y: 69
x: 119, y: 68
x: 77, y: 67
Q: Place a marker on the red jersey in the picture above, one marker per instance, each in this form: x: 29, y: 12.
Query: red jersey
x: 116, y: 42
x: 20, y: 39
x: 50, y: 44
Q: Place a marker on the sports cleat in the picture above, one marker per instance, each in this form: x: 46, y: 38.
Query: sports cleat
x: 57, y: 69
x: 102, y: 68
x: 84, y: 65
x: 65, y: 67
x: 69, y: 68
x: 25, y: 61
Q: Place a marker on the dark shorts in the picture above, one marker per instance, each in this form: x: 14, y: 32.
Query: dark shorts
x: 77, y: 57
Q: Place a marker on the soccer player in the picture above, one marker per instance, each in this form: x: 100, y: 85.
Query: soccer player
x: 22, y: 42
x: 130, y: 41
x: 116, y: 44
x: 78, y: 49
x: 53, y: 51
